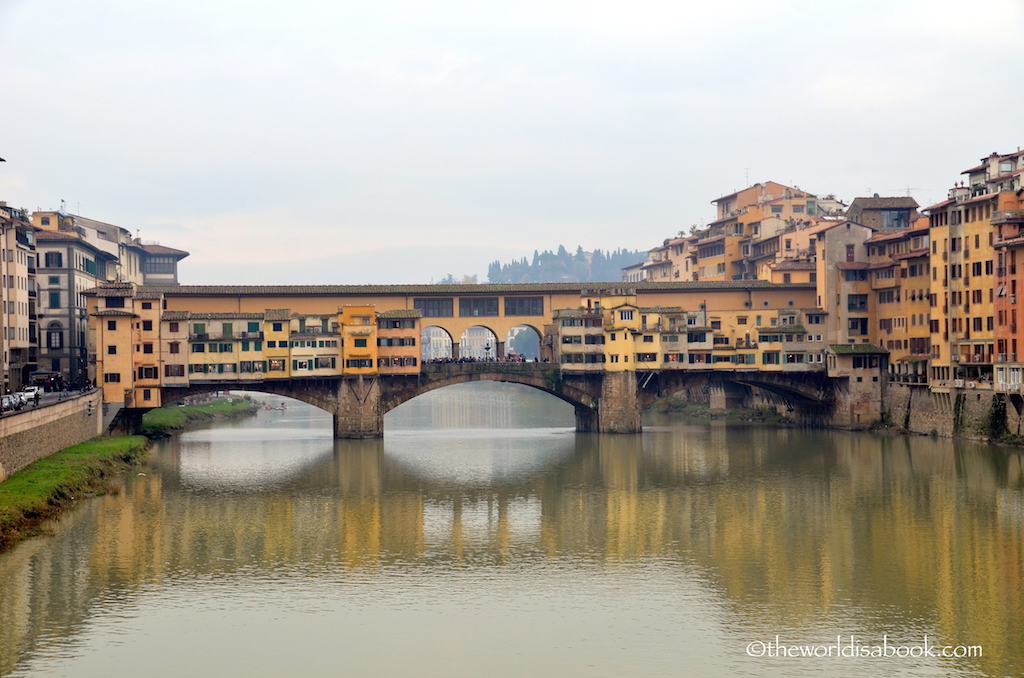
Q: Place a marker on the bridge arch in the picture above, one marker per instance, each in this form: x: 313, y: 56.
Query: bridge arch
x: 541, y: 376
x: 315, y: 392
x: 524, y: 340
x: 436, y: 343
x: 479, y: 342
x: 809, y: 394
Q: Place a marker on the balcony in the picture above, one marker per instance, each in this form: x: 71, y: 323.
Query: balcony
x: 1008, y: 217
x: 1001, y: 272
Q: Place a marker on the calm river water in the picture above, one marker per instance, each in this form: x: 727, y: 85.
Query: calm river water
x: 484, y: 537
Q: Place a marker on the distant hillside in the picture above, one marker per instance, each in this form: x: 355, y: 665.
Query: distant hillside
x: 561, y: 266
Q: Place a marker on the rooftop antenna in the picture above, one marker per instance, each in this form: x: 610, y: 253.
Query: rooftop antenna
x: 746, y: 175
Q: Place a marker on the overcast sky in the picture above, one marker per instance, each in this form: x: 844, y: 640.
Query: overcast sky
x: 373, y: 142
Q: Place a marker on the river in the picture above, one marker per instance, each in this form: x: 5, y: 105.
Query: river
x: 482, y: 536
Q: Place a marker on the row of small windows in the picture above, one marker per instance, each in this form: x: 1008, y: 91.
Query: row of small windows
x: 479, y: 307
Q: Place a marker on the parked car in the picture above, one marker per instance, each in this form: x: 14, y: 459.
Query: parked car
x: 30, y: 391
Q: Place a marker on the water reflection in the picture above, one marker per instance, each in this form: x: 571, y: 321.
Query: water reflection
x: 687, y: 542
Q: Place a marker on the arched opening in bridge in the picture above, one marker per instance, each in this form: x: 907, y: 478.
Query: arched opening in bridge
x: 523, y: 341
x: 479, y: 343
x: 436, y: 344
x: 481, y: 405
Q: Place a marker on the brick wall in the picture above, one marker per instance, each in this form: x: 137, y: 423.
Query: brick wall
x: 36, y: 433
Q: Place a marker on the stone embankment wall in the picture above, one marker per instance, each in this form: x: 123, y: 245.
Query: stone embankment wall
x: 961, y: 412
x: 36, y: 433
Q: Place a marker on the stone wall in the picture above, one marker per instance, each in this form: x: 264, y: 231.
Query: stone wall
x: 36, y: 433
x: 619, y: 410
x: 961, y: 412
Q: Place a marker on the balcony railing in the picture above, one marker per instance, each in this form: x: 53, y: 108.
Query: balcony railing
x: 1008, y: 216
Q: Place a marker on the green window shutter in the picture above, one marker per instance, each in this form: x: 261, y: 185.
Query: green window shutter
x: 254, y: 327
x: 229, y: 329
x: 334, y: 363
x: 220, y: 368
x: 245, y: 345
x: 199, y: 328
x: 257, y: 346
x: 295, y: 364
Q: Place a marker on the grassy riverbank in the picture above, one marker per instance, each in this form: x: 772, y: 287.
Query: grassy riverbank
x: 44, y: 488
x: 170, y: 419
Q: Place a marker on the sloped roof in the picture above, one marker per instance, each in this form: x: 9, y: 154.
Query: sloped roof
x: 847, y: 349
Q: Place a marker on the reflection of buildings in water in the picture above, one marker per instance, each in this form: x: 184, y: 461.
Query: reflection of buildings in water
x: 471, y: 408
x: 787, y: 526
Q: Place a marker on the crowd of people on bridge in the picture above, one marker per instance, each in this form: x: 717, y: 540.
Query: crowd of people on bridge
x: 511, y: 358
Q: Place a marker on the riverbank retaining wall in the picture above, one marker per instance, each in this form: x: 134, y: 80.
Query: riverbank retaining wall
x: 960, y: 412
x: 36, y: 433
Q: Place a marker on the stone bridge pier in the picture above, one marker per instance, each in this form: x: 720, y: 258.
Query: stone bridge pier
x: 355, y: 403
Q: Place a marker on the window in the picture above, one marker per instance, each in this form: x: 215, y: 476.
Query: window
x: 147, y: 394
x: 54, y: 299
x: 174, y: 347
x: 787, y: 278
x: 850, y: 252
x: 276, y: 365
x: 147, y: 348
x: 45, y: 221
x: 856, y: 302
x: 115, y: 302
x: 524, y: 306
x: 434, y: 308
x: 148, y: 373
x: 54, y: 260
x: 649, y: 338
x: 147, y: 325
x: 478, y: 307
x: 172, y: 327
x: 625, y: 315
x: 147, y: 305
x: 111, y: 325
x: 111, y: 349
x: 363, y: 362
x: 54, y: 280
x: 253, y: 327
x: 174, y: 370
x: 278, y: 327
x: 360, y: 343
x: 112, y: 377
x: 199, y: 348
x: 54, y: 338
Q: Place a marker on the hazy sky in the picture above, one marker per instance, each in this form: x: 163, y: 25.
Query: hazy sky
x: 371, y: 142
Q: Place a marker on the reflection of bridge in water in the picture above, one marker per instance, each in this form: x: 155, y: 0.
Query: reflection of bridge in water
x: 781, y: 526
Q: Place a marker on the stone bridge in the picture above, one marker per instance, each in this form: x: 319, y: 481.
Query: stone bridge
x: 605, y: 402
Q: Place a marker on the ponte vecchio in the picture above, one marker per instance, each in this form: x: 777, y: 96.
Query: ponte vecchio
x: 358, y: 351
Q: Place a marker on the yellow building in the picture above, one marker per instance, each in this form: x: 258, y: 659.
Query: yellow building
x: 398, y: 339
x: 359, y: 339
x: 610, y: 332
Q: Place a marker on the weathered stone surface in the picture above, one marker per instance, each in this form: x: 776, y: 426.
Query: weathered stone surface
x: 36, y: 433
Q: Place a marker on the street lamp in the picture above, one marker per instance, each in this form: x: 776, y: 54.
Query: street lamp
x: 487, y: 352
